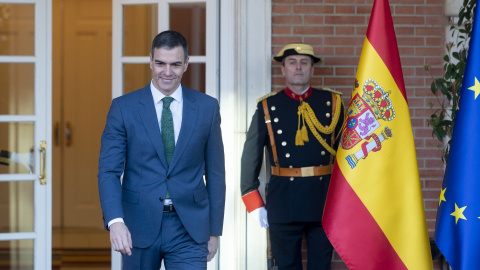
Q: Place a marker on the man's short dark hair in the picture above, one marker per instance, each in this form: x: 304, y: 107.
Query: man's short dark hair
x: 168, y: 40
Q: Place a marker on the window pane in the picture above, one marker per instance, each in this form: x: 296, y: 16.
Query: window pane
x: 17, y: 88
x: 16, y: 148
x: 17, y: 28
x: 136, y: 76
x: 16, y: 207
x: 140, y: 27
x: 194, y: 77
x: 189, y: 19
x: 16, y: 254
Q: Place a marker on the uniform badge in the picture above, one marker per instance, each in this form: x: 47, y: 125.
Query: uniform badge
x: 362, y: 124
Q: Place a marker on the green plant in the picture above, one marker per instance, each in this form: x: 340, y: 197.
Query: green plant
x: 448, y: 88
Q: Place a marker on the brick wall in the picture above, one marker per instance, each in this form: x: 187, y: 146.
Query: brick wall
x: 336, y: 29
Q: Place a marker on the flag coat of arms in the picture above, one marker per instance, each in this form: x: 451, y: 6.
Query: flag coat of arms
x: 457, y: 232
x: 374, y: 215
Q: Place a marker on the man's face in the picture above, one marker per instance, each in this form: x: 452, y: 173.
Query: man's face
x: 297, y: 70
x: 168, y: 67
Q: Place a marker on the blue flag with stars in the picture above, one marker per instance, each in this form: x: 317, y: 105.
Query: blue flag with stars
x: 457, y: 230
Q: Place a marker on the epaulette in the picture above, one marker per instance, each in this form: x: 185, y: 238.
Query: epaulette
x: 266, y: 96
x: 331, y: 90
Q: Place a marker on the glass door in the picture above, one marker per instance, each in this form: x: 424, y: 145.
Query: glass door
x: 25, y: 121
x: 135, y: 24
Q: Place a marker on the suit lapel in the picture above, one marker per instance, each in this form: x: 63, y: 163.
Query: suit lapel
x: 189, y: 120
x: 150, y: 122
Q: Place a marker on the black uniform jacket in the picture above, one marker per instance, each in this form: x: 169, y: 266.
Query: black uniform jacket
x: 290, y: 199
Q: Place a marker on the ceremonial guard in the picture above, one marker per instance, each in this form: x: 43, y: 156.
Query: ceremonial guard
x: 300, y: 126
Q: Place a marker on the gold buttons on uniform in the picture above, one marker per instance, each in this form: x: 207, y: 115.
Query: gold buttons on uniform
x: 329, y: 103
x: 323, y: 153
x: 279, y: 131
x: 290, y: 167
x: 284, y: 143
x: 327, y: 115
x: 291, y: 178
x: 275, y: 120
x: 321, y: 177
x: 287, y: 155
x: 273, y: 108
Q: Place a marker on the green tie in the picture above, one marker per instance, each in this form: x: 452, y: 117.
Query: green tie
x: 168, y: 136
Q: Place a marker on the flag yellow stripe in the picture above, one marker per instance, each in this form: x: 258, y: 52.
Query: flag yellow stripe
x: 391, y: 188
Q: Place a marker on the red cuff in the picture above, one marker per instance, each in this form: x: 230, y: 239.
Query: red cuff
x: 252, y: 200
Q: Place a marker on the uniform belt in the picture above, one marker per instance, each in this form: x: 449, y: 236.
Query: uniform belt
x: 302, y: 172
x: 168, y: 208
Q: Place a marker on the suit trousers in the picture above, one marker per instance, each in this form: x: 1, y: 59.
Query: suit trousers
x: 173, y: 245
x: 286, y: 240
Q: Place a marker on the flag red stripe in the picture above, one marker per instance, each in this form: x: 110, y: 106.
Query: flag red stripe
x: 352, y: 230
x: 381, y: 35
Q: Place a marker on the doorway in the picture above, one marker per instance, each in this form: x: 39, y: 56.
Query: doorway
x: 82, y: 53
x: 82, y: 93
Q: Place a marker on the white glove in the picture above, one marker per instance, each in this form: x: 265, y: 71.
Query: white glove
x: 260, y: 214
x: 26, y: 159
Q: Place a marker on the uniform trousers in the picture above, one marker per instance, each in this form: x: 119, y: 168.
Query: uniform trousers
x: 173, y: 245
x: 286, y: 241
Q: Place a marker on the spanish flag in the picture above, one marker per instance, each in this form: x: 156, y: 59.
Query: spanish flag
x: 374, y: 214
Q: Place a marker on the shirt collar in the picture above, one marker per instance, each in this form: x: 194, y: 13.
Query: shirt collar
x: 304, y: 95
x: 157, y: 95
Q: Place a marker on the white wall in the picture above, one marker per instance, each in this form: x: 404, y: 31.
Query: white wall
x: 245, y: 50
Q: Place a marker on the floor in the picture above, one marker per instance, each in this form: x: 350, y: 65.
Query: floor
x: 76, y: 259
x: 76, y: 249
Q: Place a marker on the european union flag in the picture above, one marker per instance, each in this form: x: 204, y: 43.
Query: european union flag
x: 458, y: 219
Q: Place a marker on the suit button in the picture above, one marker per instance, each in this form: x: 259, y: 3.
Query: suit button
x: 161, y: 199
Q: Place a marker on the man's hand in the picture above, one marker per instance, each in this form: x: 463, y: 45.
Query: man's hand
x: 212, y: 247
x: 260, y: 214
x: 120, y: 238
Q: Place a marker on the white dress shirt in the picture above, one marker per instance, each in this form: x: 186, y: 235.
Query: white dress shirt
x: 176, y: 107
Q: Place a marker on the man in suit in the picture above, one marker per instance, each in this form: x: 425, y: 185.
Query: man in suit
x: 300, y: 126
x: 166, y: 141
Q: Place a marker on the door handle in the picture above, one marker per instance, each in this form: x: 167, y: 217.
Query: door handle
x: 68, y: 134
x: 56, y: 133
x: 43, y: 163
